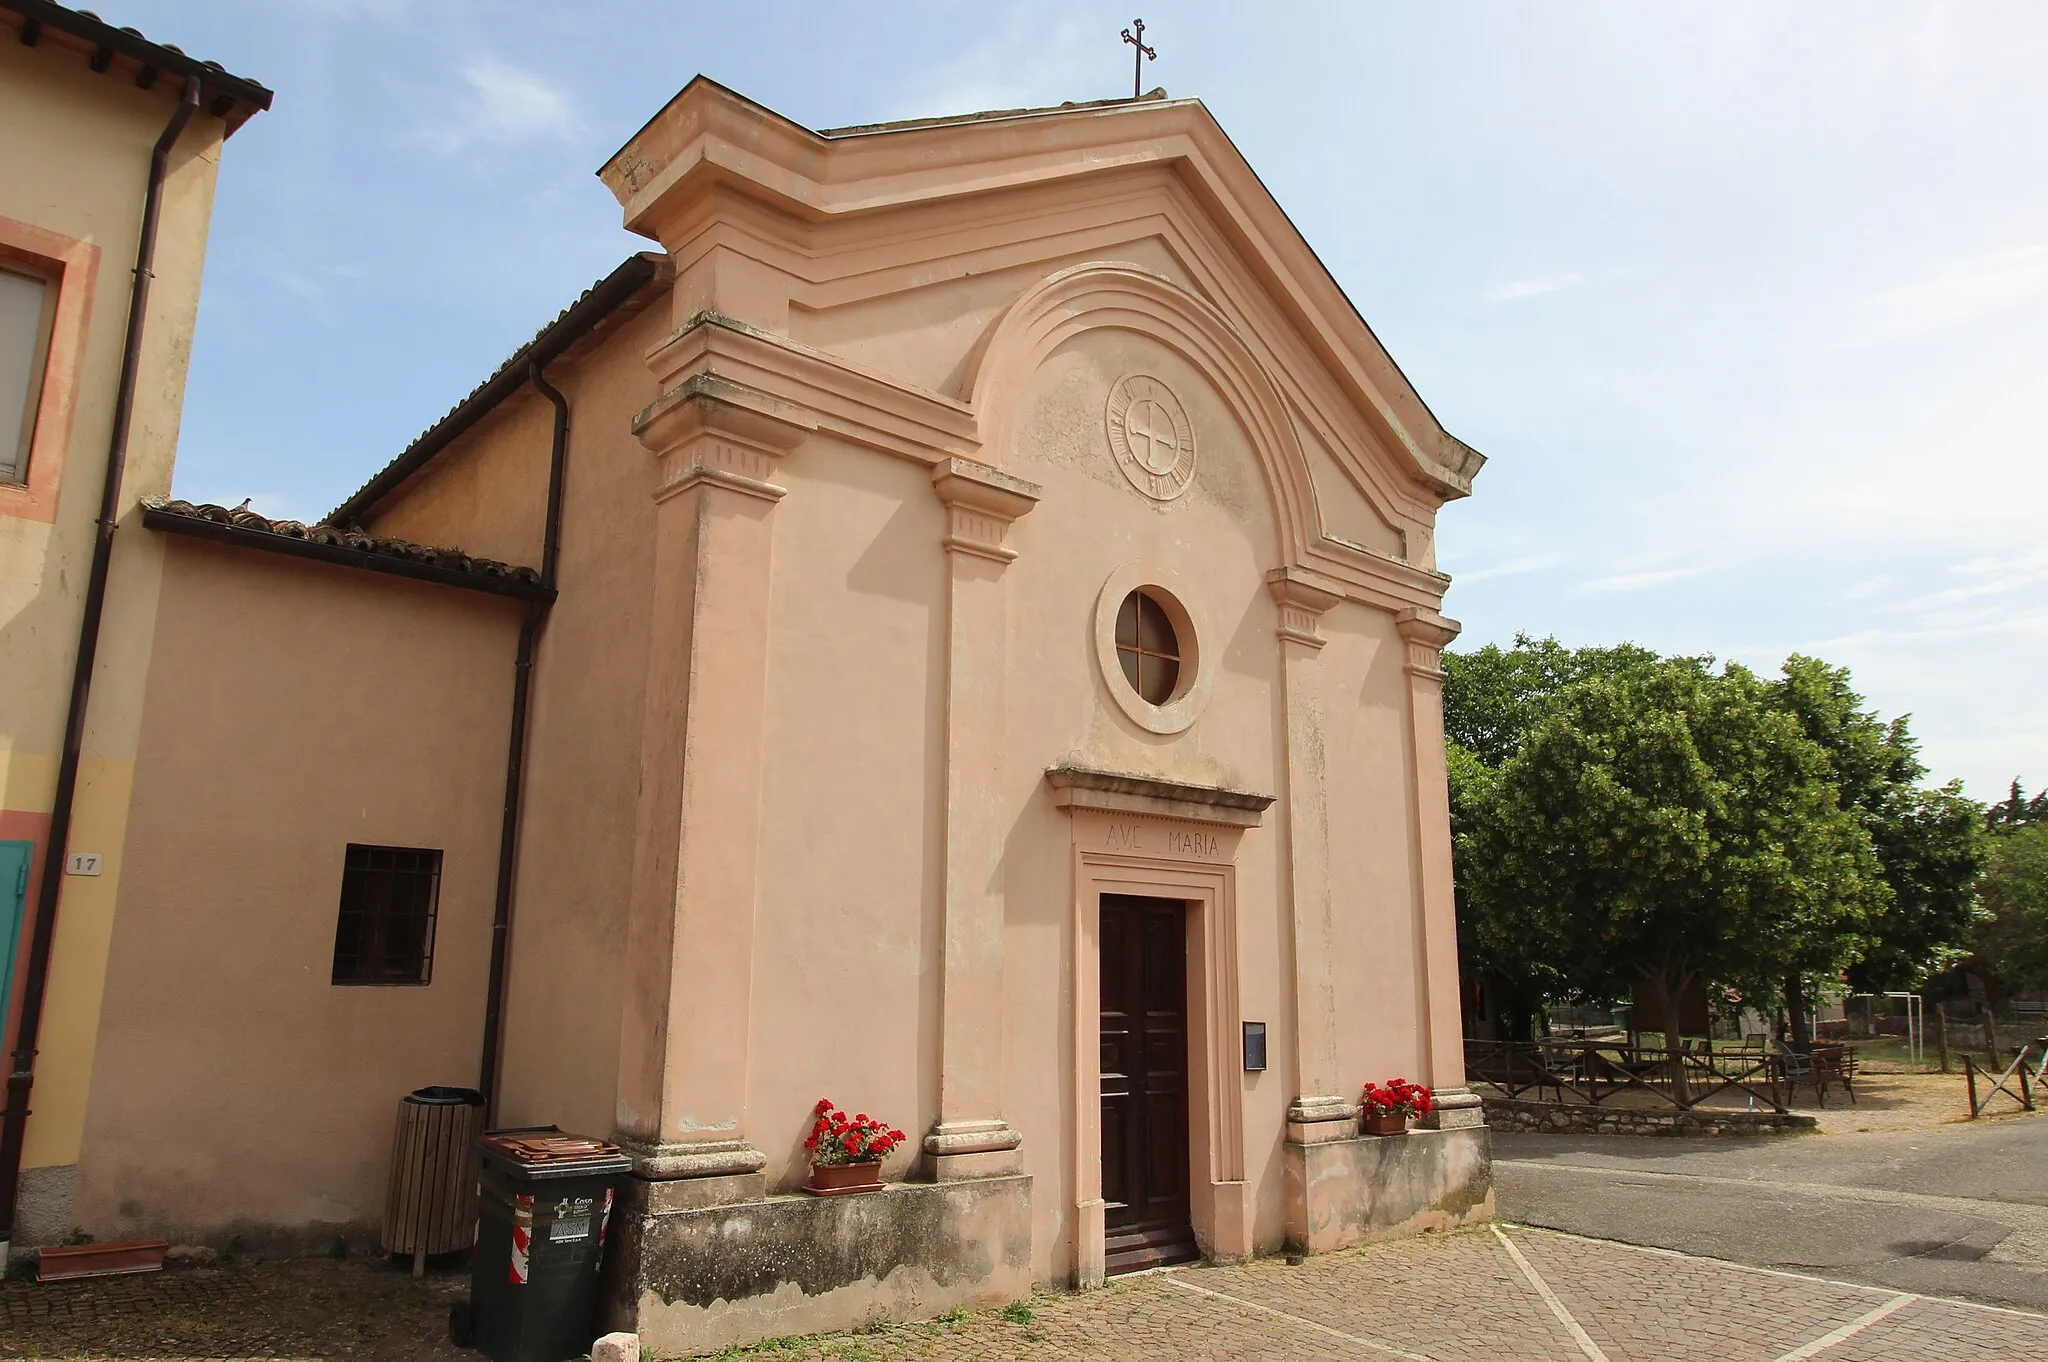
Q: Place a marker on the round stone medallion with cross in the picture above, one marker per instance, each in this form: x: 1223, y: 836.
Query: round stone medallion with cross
x: 1151, y: 437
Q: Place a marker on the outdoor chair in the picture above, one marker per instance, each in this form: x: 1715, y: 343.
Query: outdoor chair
x: 1823, y: 1065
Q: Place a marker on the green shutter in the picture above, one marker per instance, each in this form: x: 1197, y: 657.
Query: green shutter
x: 14, y: 858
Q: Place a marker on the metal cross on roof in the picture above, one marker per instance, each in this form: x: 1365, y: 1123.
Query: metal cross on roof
x: 1138, y: 57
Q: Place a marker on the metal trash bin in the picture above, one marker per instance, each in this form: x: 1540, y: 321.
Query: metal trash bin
x: 544, y: 1203
x: 427, y: 1205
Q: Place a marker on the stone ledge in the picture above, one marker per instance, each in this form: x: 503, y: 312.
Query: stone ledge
x: 1583, y: 1118
x: 702, y: 1279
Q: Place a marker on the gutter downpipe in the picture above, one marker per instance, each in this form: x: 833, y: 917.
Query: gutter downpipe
x: 515, y: 756
x: 21, y: 1079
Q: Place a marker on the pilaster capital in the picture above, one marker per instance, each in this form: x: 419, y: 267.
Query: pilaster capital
x: 981, y: 504
x: 1427, y: 634
x: 709, y: 430
x: 1304, y: 598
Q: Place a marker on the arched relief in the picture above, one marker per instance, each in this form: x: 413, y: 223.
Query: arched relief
x: 1106, y: 295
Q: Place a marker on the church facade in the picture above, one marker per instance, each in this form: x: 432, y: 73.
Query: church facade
x: 965, y: 613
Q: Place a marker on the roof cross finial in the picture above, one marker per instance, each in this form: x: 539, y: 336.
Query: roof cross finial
x: 1138, y: 57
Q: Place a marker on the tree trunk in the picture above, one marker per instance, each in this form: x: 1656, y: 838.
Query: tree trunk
x: 1941, y: 1033
x: 1801, y: 1023
x: 1670, y: 988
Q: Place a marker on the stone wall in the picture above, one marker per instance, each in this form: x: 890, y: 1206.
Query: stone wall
x: 1366, y: 1187
x: 1563, y: 1118
x: 700, y: 1279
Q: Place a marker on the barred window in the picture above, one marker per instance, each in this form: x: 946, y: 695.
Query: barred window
x: 385, y: 934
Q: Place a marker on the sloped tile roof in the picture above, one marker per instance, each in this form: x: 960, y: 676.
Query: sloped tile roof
x: 340, y: 545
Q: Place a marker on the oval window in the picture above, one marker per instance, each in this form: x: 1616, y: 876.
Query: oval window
x: 1147, y: 648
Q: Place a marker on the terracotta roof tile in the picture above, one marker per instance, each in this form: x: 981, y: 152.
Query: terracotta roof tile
x: 445, y: 560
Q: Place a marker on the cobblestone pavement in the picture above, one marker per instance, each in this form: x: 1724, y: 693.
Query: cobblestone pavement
x: 1512, y: 1293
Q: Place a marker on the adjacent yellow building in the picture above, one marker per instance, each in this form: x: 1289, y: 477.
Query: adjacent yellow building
x: 104, y: 130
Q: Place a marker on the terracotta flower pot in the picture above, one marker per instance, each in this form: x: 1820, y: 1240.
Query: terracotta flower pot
x: 1386, y: 1122
x: 837, y: 1179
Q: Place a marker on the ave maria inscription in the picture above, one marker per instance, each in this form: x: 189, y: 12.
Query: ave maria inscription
x: 1145, y: 839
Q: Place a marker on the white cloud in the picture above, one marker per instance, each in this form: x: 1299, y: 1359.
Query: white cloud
x: 502, y: 105
x: 1638, y: 581
x: 1954, y: 292
x: 1531, y: 288
x: 1514, y: 567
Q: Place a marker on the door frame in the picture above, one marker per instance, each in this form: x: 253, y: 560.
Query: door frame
x: 1190, y: 861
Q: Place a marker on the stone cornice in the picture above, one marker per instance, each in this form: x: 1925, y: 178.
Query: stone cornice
x: 1079, y: 787
x: 840, y: 398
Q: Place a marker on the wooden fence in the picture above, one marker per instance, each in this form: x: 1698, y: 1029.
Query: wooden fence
x: 1597, y: 1072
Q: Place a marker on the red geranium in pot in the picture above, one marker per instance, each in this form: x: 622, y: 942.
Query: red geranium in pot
x: 847, y: 1151
x: 1389, y: 1105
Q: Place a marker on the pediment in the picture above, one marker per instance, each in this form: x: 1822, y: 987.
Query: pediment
x: 867, y: 217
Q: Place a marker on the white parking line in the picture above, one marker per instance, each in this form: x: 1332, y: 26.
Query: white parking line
x: 1851, y: 1329
x: 1371, y: 1343
x: 1564, y: 1316
x: 1957, y: 1301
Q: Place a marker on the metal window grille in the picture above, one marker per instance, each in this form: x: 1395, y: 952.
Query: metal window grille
x: 385, y: 933
x: 1147, y: 648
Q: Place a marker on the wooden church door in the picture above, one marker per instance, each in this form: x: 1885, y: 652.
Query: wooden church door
x: 1145, y: 1083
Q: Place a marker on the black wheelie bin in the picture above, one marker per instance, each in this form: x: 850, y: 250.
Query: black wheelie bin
x: 544, y: 1200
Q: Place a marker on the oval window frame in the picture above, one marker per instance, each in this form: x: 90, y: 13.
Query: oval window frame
x: 1191, y: 630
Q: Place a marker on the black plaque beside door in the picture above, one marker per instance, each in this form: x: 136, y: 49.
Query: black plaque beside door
x: 1145, y: 1083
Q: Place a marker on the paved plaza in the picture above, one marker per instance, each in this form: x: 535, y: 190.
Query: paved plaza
x: 1497, y: 1293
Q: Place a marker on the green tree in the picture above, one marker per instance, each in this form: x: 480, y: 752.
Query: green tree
x: 2012, y: 940
x: 1929, y: 843
x: 1494, y: 698
x: 2016, y: 810
x: 1667, y: 824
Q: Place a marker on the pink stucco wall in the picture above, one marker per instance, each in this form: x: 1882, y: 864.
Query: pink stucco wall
x: 293, y: 708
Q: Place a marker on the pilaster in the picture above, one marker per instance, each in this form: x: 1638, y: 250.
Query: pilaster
x: 1322, y: 1108
x: 686, y: 1019
x: 970, y: 1137
x: 1424, y: 634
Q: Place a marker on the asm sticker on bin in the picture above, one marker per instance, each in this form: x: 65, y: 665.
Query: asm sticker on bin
x: 572, y: 1219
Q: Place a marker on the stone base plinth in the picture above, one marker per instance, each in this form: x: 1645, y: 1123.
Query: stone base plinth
x: 695, y: 1280
x: 1355, y: 1190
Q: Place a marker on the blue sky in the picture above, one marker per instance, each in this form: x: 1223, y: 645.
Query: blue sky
x: 1747, y: 302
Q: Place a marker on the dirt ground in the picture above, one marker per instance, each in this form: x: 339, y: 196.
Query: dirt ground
x: 1900, y: 1101
x: 354, y: 1310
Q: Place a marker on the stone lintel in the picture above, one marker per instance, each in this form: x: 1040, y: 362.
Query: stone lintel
x: 1078, y: 787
